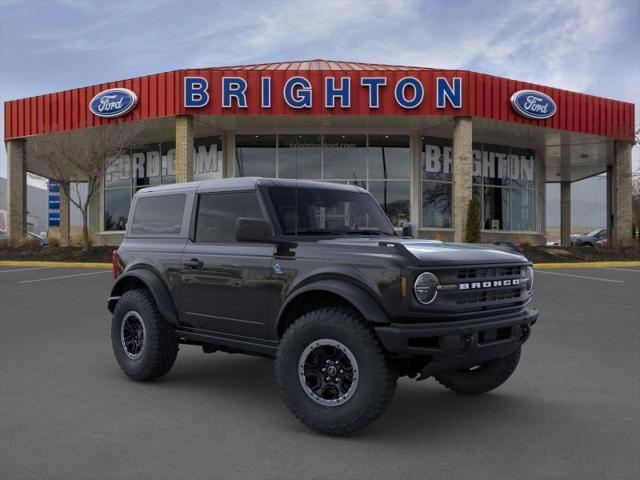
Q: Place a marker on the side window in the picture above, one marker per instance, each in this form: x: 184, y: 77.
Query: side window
x: 158, y: 215
x: 218, y: 212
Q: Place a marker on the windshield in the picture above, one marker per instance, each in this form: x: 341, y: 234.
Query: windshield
x: 324, y: 211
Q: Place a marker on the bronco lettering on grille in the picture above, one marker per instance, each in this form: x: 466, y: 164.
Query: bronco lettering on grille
x: 489, y: 284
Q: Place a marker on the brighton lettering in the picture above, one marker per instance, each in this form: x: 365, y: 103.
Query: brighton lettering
x: 298, y: 92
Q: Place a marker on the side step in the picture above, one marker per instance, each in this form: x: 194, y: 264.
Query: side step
x: 255, y: 346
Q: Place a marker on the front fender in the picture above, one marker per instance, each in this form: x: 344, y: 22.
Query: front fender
x: 362, y: 301
x: 154, y: 284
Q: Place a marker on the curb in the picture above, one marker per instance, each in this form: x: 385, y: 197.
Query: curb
x: 28, y: 263
x: 538, y: 266
x: 548, y: 266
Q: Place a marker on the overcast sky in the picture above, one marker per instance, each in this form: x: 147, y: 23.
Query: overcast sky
x: 581, y: 45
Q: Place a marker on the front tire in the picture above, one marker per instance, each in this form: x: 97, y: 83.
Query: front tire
x: 333, y: 373
x: 482, y: 378
x: 144, y: 345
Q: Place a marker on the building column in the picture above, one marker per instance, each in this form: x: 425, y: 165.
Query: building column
x: 184, y: 148
x: 65, y: 215
x: 462, y: 174
x: 621, y: 186
x: 415, y: 147
x: 565, y: 213
x: 228, y: 155
x: 16, y: 191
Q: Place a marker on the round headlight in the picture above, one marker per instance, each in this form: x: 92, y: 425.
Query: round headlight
x: 426, y: 288
x: 529, y: 275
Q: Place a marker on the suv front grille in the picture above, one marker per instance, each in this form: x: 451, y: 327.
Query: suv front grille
x: 491, y: 272
x: 490, y: 296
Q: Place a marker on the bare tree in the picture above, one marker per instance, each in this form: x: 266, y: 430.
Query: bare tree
x: 82, y: 156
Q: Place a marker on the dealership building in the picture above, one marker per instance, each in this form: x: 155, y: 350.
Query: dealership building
x: 423, y: 141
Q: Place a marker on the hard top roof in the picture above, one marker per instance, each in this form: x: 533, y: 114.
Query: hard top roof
x: 244, y: 183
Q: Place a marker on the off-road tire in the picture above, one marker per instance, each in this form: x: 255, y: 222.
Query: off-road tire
x: 377, y: 375
x: 160, y: 345
x: 482, y: 379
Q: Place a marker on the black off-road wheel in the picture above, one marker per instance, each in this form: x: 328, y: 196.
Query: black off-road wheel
x: 480, y: 378
x: 333, y: 373
x: 144, y: 345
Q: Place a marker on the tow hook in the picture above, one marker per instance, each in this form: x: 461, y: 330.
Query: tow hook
x: 524, y: 333
x: 465, y: 342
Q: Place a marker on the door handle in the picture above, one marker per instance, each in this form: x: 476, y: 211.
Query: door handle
x: 194, y: 263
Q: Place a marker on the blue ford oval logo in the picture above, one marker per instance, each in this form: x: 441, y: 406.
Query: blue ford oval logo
x: 533, y: 104
x: 114, y: 102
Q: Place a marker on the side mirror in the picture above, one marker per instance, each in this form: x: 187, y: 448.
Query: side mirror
x: 408, y: 230
x: 254, y: 230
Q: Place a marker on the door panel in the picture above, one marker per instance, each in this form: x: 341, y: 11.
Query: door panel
x: 229, y: 293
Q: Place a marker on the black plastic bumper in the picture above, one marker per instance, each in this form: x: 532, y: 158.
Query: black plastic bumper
x: 449, y: 345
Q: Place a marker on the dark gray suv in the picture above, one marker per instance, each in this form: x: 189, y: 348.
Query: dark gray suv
x: 314, y: 275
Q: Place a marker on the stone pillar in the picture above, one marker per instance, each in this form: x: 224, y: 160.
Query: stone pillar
x: 65, y: 215
x: 565, y: 213
x: 416, y: 179
x: 462, y: 174
x: 621, y: 183
x: 228, y: 155
x: 16, y: 191
x: 184, y: 148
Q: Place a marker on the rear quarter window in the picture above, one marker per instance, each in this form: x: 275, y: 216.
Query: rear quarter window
x: 158, y: 215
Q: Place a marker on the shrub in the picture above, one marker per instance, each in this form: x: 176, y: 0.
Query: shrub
x: 472, y: 235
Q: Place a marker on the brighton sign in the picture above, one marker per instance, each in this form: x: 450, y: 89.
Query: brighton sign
x: 298, y: 93
x: 533, y: 104
x: 113, y: 103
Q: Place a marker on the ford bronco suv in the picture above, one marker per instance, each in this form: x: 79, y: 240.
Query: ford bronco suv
x: 314, y: 275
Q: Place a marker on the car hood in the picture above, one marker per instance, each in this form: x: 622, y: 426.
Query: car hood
x: 434, y: 252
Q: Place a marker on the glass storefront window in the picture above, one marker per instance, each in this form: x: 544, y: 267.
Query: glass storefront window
x: 495, y: 165
x: 168, y: 162
x: 300, y: 156
x: 146, y: 165
x: 437, y: 161
x: 394, y: 198
x: 522, y: 210
x: 522, y: 166
x: 503, y: 183
x: 207, y: 158
x: 436, y: 204
x: 118, y: 174
x: 256, y: 155
x: 116, y: 208
x: 389, y: 157
x: 496, y: 208
x: 345, y: 157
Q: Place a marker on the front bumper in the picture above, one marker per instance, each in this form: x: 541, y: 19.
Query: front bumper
x: 450, y: 345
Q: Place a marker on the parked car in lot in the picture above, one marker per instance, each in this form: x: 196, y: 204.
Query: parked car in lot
x: 590, y: 239
x: 314, y: 275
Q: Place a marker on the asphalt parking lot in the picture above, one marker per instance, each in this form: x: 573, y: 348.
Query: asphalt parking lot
x: 571, y: 411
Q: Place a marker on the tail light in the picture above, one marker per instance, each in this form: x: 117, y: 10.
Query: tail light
x: 115, y: 264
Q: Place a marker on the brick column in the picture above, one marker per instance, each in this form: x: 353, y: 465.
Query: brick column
x: 184, y: 148
x: 565, y: 213
x: 462, y: 174
x: 621, y: 185
x: 416, y: 179
x: 65, y: 215
x: 16, y: 191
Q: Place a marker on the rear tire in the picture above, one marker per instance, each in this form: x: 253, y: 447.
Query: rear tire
x: 144, y: 345
x: 481, y: 379
x: 357, y: 384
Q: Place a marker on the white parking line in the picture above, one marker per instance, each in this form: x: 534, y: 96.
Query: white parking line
x: 64, y: 276
x: 579, y: 276
x: 621, y: 269
x: 23, y: 269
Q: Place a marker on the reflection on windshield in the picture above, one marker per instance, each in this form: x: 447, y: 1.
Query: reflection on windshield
x: 324, y: 211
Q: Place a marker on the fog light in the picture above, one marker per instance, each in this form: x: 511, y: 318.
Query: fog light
x: 426, y: 288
